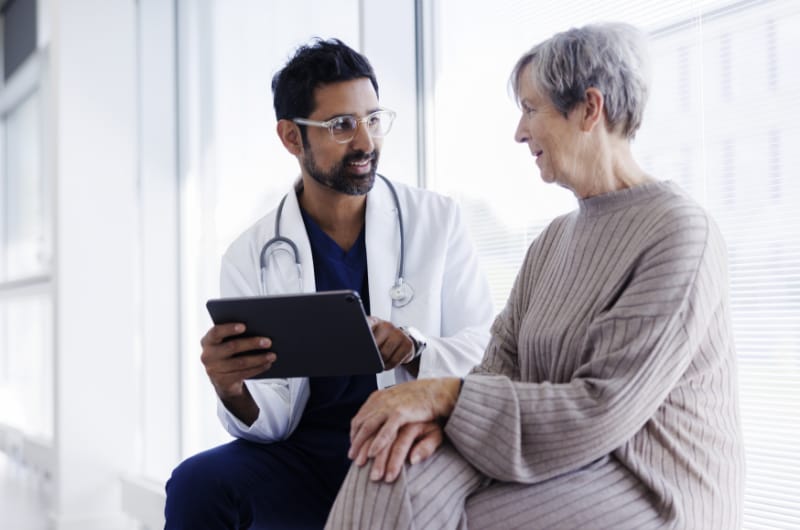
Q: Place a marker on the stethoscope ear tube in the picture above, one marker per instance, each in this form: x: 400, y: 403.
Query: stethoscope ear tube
x: 401, y: 292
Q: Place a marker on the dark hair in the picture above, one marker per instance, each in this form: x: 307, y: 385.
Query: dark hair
x: 317, y: 63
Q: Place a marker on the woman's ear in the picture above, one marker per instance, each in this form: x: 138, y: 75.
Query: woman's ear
x: 593, y: 109
x: 289, y: 133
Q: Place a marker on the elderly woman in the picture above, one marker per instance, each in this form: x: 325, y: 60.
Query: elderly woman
x: 607, y: 397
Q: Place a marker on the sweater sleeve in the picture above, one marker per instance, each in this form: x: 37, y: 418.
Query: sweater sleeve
x: 634, y: 354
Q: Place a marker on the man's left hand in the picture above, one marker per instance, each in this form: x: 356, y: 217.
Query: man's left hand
x: 395, y: 346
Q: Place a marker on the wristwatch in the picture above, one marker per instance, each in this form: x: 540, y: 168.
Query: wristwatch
x: 417, y: 339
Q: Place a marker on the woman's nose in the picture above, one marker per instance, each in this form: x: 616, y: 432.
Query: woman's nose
x: 521, y: 135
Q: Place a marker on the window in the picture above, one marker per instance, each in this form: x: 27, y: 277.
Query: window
x: 27, y: 245
x: 26, y: 322
x: 721, y: 122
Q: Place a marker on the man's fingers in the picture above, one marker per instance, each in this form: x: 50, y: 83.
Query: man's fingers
x: 396, y: 352
x: 255, y: 370
x: 227, y: 376
x: 244, y: 364
x: 220, y: 332
x: 228, y: 349
x: 393, y: 344
x: 379, y: 330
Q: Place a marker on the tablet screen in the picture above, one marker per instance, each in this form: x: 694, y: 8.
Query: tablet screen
x: 313, y: 334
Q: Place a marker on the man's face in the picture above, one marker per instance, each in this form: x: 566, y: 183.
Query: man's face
x: 347, y: 168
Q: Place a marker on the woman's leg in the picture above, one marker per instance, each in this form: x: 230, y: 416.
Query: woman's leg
x: 430, y: 494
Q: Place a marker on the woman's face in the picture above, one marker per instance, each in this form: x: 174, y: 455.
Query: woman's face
x: 551, y: 137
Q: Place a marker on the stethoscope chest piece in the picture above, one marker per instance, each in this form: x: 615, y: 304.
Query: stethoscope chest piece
x: 401, y: 293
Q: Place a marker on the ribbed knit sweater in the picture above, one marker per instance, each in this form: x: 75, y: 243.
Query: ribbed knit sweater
x: 615, y: 353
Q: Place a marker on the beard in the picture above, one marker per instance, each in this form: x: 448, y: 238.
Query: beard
x: 339, y: 178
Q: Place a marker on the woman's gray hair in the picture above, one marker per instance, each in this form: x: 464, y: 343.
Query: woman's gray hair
x: 611, y: 57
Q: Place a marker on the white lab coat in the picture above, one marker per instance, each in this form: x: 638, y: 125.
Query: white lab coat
x: 451, y: 306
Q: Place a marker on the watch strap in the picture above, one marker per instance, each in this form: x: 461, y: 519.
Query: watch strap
x: 417, y: 339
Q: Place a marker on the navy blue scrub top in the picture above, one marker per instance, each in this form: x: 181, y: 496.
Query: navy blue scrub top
x: 333, y: 401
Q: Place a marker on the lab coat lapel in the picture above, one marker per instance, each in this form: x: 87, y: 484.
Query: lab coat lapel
x: 383, y: 248
x: 383, y: 255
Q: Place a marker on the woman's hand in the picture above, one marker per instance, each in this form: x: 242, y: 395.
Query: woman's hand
x: 390, y: 424
x: 414, y: 443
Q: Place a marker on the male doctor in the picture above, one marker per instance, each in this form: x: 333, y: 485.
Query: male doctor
x: 290, y: 456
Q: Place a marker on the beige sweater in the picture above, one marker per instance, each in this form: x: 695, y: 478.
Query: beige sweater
x: 616, y: 348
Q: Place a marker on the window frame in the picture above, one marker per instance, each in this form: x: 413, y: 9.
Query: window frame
x: 29, y: 79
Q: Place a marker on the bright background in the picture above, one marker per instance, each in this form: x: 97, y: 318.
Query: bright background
x: 138, y: 141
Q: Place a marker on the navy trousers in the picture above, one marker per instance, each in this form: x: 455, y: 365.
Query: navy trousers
x: 249, y: 485
x: 287, y: 484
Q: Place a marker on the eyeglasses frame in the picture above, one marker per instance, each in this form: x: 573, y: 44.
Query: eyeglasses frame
x: 328, y: 124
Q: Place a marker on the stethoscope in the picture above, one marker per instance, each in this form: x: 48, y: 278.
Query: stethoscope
x: 401, y: 292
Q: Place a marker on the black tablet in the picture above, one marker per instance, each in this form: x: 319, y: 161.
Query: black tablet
x: 313, y: 334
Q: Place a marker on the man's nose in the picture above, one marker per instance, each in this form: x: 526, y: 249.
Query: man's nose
x: 362, y: 140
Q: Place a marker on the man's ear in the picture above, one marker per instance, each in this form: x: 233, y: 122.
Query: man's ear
x: 593, y: 109
x: 289, y: 133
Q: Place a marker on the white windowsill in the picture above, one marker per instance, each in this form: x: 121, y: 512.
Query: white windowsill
x: 143, y: 499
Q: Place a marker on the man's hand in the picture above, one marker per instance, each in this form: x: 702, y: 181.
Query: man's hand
x: 227, y: 371
x: 395, y: 346
x: 385, y: 422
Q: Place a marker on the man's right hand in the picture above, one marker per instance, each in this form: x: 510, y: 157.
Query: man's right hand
x: 227, y: 371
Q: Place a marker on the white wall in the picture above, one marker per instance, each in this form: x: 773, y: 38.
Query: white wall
x: 159, y: 358
x: 94, y: 119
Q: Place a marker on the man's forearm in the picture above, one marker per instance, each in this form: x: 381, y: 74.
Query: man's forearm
x: 242, y: 406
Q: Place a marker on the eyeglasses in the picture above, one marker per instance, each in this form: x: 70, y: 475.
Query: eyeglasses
x: 343, y: 128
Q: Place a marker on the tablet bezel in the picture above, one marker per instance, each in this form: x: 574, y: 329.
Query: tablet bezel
x: 313, y: 334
